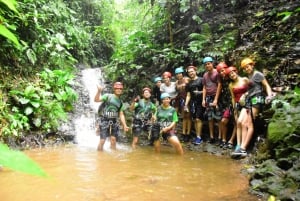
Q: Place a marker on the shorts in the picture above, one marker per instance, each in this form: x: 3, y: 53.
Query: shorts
x: 226, y: 113
x: 108, y: 128
x: 196, y: 109
x: 140, y: 126
x: 213, y: 114
x: 156, y: 135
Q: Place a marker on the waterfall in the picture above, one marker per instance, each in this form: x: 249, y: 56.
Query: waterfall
x: 85, y: 121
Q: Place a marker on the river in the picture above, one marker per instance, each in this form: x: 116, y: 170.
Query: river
x: 77, y: 172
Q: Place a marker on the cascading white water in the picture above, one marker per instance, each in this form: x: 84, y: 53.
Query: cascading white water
x: 85, y: 125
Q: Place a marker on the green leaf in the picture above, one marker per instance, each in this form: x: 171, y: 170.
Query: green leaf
x: 28, y: 110
x: 37, y: 122
x: 18, y: 161
x: 9, y: 35
x: 24, y: 101
x: 35, y: 104
x: 10, y: 4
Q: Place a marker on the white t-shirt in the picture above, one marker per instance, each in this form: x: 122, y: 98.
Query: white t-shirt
x: 171, y: 90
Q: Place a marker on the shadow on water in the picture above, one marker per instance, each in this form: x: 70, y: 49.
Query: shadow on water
x: 78, y: 172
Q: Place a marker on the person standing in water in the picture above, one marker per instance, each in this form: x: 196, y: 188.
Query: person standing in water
x: 144, y: 110
x: 112, y: 110
x: 164, y: 126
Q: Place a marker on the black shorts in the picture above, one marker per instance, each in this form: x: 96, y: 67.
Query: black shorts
x: 139, y: 126
x: 108, y: 128
x: 196, y: 109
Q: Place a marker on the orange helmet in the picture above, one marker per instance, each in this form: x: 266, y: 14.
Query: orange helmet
x: 246, y: 61
x: 146, y: 89
x: 221, y: 65
x: 167, y: 74
x: 118, y: 85
x: 229, y: 69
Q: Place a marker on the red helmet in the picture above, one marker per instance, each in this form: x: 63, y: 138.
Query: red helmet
x: 193, y: 67
x: 229, y: 69
x: 146, y: 89
x: 220, y: 66
x: 167, y: 74
x: 118, y: 85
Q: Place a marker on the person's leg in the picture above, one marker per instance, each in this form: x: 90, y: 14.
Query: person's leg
x: 198, y: 129
x: 103, y: 136
x: 113, y: 142
x: 211, y: 128
x: 173, y: 140
x: 239, y: 125
x: 250, y: 125
x: 157, y: 146
x: 101, y: 144
x: 232, y: 137
x: 134, y: 142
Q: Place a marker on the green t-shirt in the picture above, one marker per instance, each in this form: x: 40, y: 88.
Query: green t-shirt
x: 111, y: 107
x: 166, y: 116
x: 144, y: 109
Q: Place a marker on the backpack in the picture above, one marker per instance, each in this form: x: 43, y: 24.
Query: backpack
x: 103, y: 105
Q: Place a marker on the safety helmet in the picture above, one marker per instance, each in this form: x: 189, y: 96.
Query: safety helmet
x: 207, y: 59
x: 220, y: 66
x: 164, y: 95
x: 229, y: 69
x: 193, y: 67
x: 179, y: 70
x: 146, y: 89
x: 246, y: 61
x: 157, y: 79
x: 167, y: 74
x: 118, y: 85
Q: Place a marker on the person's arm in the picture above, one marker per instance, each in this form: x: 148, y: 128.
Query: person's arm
x: 153, y: 115
x: 267, y: 87
x: 233, y: 101
x: 133, y: 105
x: 219, y: 88
x: 187, y: 101
x: 97, y: 97
x: 204, y: 96
x: 123, y: 121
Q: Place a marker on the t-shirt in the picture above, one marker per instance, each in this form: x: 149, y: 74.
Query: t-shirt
x: 210, y: 81
x: 112, y: 106
x: 144, y: 109
x: 193, y: 86
x: 255, y: 84
x: 171, y: 90
x: 166, y: 116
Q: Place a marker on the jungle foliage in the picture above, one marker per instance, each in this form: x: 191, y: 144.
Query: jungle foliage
x: 41, y: 43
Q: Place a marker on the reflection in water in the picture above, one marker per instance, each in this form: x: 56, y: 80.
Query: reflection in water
x: 80, y: 173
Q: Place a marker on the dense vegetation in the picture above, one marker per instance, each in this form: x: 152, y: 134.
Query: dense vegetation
x: 42, y: 43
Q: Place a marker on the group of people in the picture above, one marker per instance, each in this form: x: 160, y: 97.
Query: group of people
x: 216, y: 97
